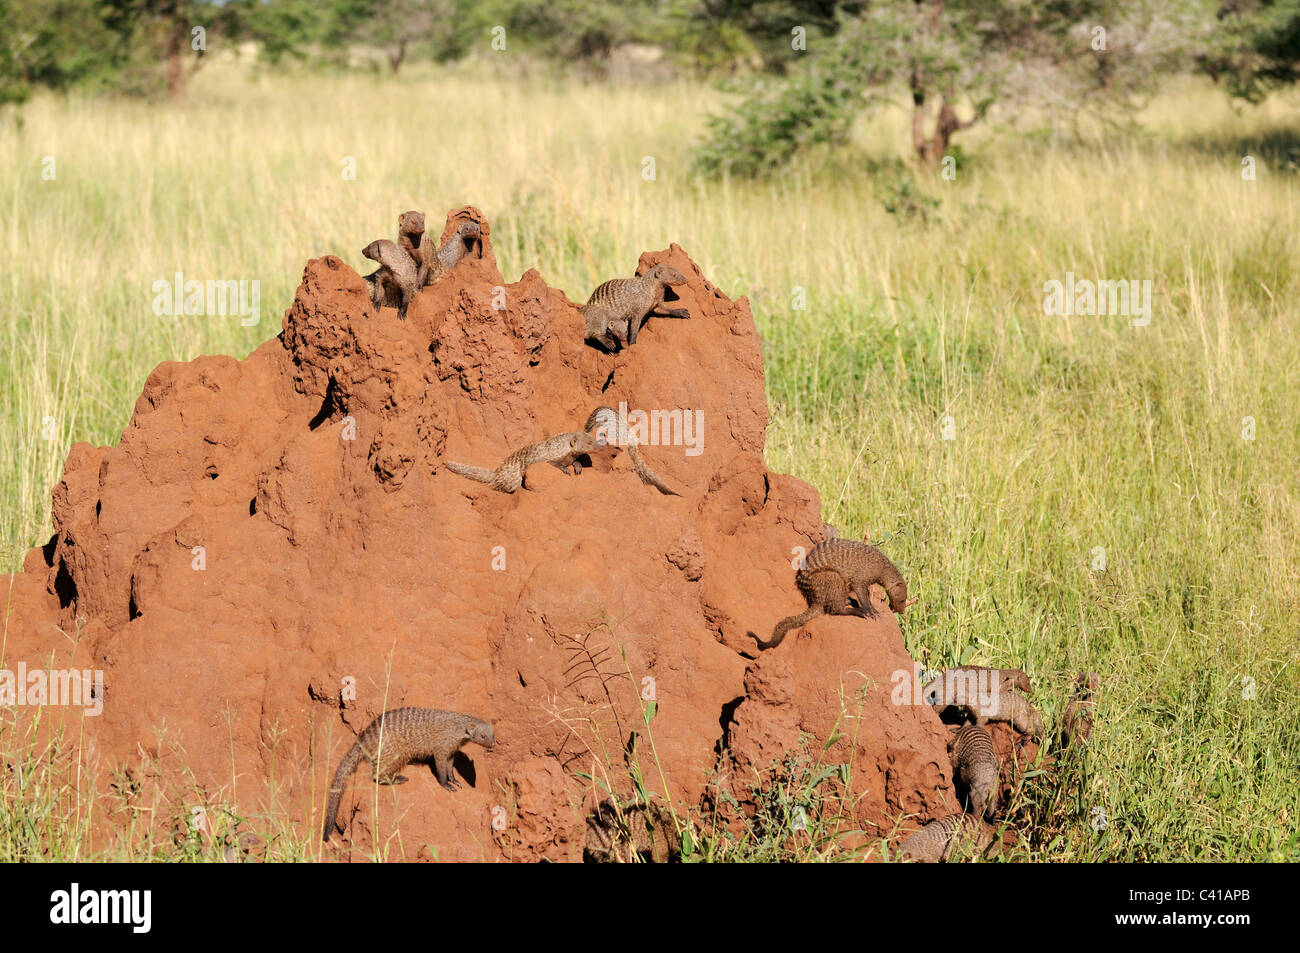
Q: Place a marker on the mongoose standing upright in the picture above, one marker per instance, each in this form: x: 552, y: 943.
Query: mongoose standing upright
x: 400, y: 736
x: 975, y: 766
x: 945, y: 837
x: 632, y: 832
x: 562, y: 450
x: 833, y: 569
x: 439, y: 261
x: 1077, y: 723
x: 393, y: 284
x: 410, y: 236
x: 623, y: 304
x: 604, y: 420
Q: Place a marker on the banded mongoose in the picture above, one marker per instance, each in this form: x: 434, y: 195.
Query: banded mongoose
x: 410, y: 238
x: 393, y: 284
x: 977, y: 678
x: 623, y: 304
x: 1077, y: 723
x: 604, y: 420
x: 834, y: 569
x: 946, y: 837
x: 975, y: 766
x: 400, y: 736
x: 986, y: 698
x: 631, y: 833
x: 563, y: 451
x: 442, y: 260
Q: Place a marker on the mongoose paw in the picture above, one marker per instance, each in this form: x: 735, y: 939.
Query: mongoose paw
x: 679, y: 313
x: 451, y: 784
x: 399, y: 779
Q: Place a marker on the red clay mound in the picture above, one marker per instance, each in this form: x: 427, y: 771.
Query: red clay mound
x: 275, y: 552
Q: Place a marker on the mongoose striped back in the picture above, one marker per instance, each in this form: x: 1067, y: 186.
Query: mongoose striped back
x: 975, y: 765
x: 945, y: 838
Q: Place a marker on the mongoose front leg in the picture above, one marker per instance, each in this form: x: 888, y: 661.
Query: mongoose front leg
x: 660, y: 311
x: 862, y: 592
x: 446, y: 776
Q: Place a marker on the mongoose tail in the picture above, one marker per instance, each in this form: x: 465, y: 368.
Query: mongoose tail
x: 346, y: 767
x: 474, y: 473
x: 788, y: 623
x: 604, y: 420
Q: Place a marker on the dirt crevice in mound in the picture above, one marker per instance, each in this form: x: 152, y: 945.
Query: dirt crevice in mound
x: 274, y: 552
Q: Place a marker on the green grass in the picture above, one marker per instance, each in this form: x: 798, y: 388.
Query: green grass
x: 1068, y: 433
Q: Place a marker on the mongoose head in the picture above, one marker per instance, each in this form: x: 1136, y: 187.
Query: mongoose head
x: 667, y: 274
x: 471, y: 233
x: 584, y: 443
x: 479, y: 732
x: 1087, y: 682
x: 411, y: 223
x: 374, y: 250
x: 898, y: 597
x: 604, y: 420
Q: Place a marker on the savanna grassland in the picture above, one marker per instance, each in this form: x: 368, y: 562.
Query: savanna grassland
x: 1103, y: 502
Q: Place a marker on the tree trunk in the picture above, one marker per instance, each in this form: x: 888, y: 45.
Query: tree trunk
x: 396, y: 55
x: 931, y: 150
x: 176, y: 34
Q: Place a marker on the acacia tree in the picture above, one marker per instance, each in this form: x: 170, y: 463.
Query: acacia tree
x: 954, y: 59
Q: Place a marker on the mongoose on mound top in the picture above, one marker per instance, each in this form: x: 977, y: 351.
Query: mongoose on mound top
x: 944, y: 838
x: 410, y: 236
x: 975, y: 766
x: 606, y: 419
x: 439, y: 261
x: 400, y: 736
x: 562, y: 450
x: 616, y: 309
x: 834, y: 569
x: 393, y: 284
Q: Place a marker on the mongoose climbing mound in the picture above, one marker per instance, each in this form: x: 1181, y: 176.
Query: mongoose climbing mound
x: 835, y: 570
x: 602, y: 424
x: 564, y: 451
x: 975, y: 766
x: 616, y: 309
x: 946, y: 838
x: 398, y: 737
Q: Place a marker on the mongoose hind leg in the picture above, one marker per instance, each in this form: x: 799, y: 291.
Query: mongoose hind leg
x: 389, y: 778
